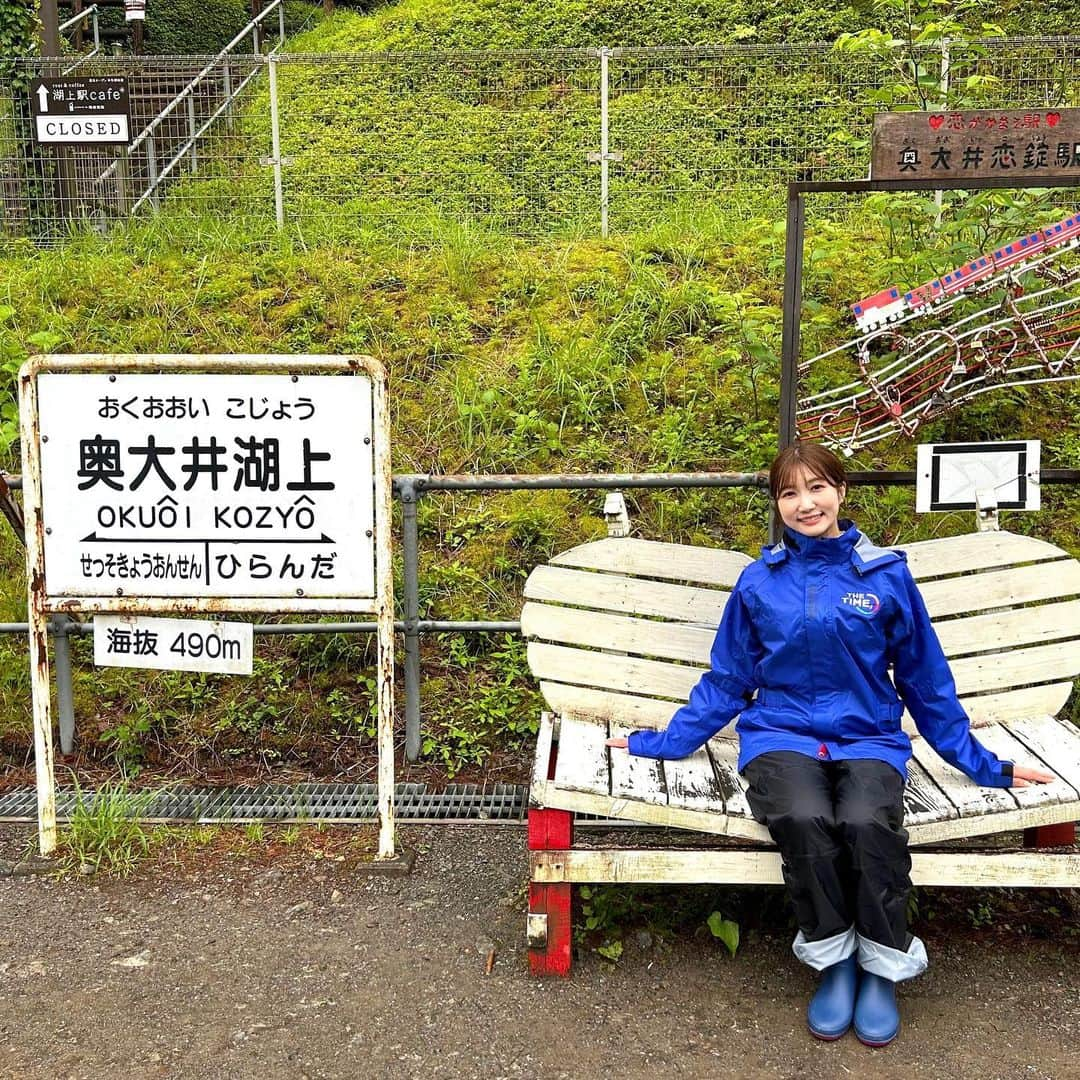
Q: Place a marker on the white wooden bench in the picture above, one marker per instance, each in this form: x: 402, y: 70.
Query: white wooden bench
x: 619, y: 631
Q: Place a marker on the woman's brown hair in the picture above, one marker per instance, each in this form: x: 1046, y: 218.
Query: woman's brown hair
x: 812, y: 457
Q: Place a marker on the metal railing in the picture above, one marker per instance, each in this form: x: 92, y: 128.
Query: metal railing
x: 157, y: 175
x: 409, y: 488
x: 81, y: 17
x: 184, y: 114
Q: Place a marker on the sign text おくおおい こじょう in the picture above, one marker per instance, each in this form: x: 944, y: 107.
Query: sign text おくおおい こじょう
x: 74, y: 111
x: 189, y: 485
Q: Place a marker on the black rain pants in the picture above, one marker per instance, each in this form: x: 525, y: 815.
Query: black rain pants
x: 839, y: 828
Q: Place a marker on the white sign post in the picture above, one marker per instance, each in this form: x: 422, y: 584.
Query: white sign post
x: 205, y: 484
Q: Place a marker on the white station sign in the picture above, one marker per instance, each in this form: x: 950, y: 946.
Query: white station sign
x: 206, y: 485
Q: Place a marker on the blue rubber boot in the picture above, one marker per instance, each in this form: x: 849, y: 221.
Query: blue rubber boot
x: 829, y: 1013
x: 877, y: 1019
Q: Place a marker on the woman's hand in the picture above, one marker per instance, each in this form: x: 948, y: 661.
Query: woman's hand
x: 621, y: 744
x: 1025, y: 777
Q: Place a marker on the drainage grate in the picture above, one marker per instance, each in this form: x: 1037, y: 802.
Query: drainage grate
x: 299, y: 803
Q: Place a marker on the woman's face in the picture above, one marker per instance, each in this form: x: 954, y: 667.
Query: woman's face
x: 810, y: 505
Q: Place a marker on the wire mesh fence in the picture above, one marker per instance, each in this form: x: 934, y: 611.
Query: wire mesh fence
x: 527, y: 143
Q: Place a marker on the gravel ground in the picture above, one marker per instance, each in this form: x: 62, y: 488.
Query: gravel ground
x: 228, y: 962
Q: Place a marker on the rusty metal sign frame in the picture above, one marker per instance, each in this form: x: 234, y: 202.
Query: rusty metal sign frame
x: 41, y: 606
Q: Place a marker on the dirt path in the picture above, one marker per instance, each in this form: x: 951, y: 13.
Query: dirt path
x: 230, y: 966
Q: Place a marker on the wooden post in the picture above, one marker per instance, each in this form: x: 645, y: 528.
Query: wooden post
x: 1061, y: 835
x: 76, y: 7
x: 50, y: 28
x: 550, y: 951
x: 256, y: 9
x: 328, y: 7
x: 65, y: 168
x: 552, y: 830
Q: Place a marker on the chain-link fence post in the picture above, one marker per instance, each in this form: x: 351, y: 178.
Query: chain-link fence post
x: 65, y: 699
x: 605, y: 53
x: 275, y: 148
x: 122, y: 176
x: 226, y: 74
x: 193, y: 129
x: 152, y: 170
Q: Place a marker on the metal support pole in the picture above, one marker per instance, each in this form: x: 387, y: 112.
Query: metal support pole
x: 123, y: 171
x: 605, y: 53
x: 65, y: 700
x: 275, y: 149
x: 192, y: 130
x: 227, y: 87
x: 410, y: 544
x: 281, y: 24
x: 789, y: 364
x: 256, y: 11
x: 151, y: 164
x: 789, y: 354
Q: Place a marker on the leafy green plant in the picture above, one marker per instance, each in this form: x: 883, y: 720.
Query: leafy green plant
x: 725, y: 930
x: 104, y: 832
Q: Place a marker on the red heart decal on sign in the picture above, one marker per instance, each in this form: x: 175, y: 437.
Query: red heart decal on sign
x: 1052, y: 119
x: 937, y: 120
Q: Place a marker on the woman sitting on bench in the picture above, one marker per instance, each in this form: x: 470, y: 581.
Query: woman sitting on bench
x: 813, y: 627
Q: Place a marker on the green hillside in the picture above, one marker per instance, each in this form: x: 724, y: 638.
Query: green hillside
x: 654, y: 350
x: 539, y: 24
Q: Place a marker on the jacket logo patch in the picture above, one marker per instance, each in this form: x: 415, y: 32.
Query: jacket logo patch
x: 865, y: 603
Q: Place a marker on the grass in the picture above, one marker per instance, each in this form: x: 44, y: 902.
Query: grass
x: 104, y: 834
x: 652, y: 351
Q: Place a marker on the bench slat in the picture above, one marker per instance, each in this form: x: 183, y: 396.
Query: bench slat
x: 641, y: 637
x: 1002, y: 588
x: 1017, y: 667
x: 1007, y: 747
x: 725, y: 756
x: 609, y: 592
x: 650, y: 559
x: 969, y: 800
x: 635, y: 777
x: 608, y: 671
x: 1057, y: 742
x: 582, y: 764
x: 1009, y: 629
x: 924, y: 801
x: 691, y: 784
x: 974, y: 551
x: 1013, y: 704
x: 629, y: 709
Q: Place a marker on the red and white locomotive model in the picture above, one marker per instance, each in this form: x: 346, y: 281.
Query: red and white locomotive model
x: 890, y: 305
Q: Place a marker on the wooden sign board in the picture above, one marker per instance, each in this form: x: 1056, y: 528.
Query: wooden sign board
x: 980, y: 144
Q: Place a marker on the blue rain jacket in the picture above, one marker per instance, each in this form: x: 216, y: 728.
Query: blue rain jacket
x: 813, y: 627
